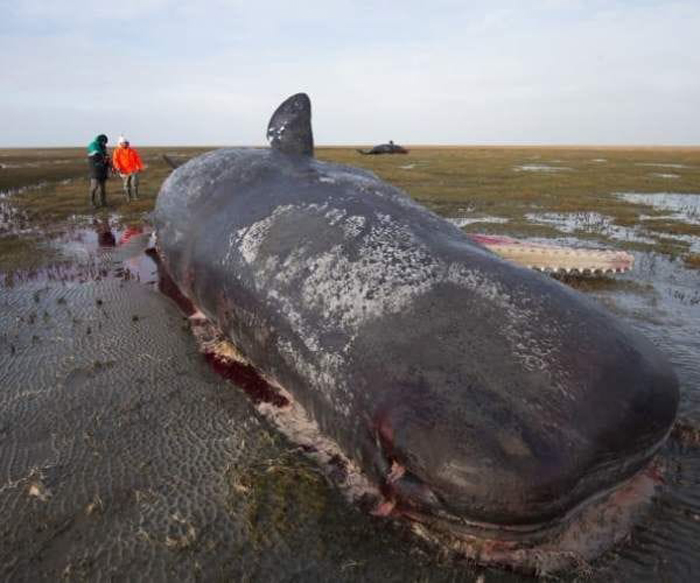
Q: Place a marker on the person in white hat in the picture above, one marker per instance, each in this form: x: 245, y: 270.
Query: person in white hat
x: 127, y: 162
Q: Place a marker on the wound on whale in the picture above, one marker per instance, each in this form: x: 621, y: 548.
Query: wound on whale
x: 486, y: 401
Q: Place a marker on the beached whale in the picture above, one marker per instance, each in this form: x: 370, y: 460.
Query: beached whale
x: 390, y: 148
x: 486, y: 400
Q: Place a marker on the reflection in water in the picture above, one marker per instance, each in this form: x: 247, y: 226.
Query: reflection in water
x: 541, y: 168
x: 572, y: 222
x: 591, y: 222
x: 464, y: 221
x: 685, y: 207
x: 662, y: 165
x: 99, y: 251
x: 663, y: 175
x: 13, y: 221
x: 129, y: 233
x: 105, y: 237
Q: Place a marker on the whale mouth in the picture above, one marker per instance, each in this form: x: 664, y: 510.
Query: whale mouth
x: 572, y: 539
x: 410, y: 497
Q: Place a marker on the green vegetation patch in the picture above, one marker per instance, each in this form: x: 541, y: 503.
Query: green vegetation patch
x: 280, y: 497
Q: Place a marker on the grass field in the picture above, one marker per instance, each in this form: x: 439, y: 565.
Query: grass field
x: 45, y: 189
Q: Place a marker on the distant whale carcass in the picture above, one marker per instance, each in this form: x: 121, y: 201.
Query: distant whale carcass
x: 487, y: 401
x: 390, y: 148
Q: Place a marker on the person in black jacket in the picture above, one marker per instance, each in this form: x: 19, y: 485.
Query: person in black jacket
x: 99, y: 163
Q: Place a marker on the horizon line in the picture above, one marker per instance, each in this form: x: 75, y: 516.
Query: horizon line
x: 407, y: 145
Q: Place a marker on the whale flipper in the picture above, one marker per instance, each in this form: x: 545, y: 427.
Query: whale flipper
x: 289, y: 129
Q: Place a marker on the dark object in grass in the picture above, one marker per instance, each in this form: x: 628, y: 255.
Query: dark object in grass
x: 174, y: 164
x: 390, y: 148
x: 490, y: 404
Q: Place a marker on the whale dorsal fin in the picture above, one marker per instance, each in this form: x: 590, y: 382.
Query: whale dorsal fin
x: 289, y: 129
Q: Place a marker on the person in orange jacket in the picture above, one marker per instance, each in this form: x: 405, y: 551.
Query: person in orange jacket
x: 127, y: 162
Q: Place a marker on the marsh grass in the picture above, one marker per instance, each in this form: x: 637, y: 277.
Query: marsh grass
x: 26, y: 167
x: 489, y: 177
x: 452, y: 181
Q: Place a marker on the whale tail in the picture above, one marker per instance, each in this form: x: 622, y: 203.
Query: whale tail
x: 289, y: 129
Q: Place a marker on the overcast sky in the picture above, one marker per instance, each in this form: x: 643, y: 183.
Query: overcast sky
x: 211, y: 72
